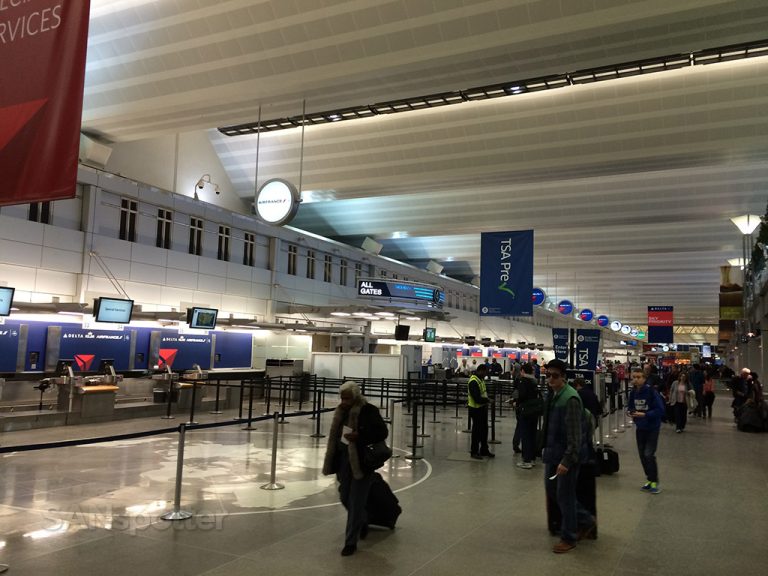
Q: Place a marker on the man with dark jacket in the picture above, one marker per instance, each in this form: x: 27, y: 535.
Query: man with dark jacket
x: 565, y: 450
x: 646, y: 408
x: 527, y: 392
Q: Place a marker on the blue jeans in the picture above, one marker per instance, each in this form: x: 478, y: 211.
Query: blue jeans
x: 563, y: 491
x: 354, y: 496
x: 647, y: 441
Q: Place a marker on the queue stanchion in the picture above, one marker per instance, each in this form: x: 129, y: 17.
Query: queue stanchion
x: 319, y: 404
x: 192, y: 407
x: 177, y: 513
x: 391, y: 407
x: 468, y: 429
x: 267, y: 394
x: 315, y: 397
x: 415, y: 441
x: 273, y: 484
x: 382, y: 400
x: 421, y: 400
x: 493, y: 418
x: 284, y: 391
x: 409, y: 399
x: 250, y: 406
x: 434, y: 405
x: 240, y: 404
x: 216, y: 405
x: 169, y: 379
x: 457, y: 402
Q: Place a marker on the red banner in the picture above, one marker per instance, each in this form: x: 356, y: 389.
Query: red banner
x: 42, y: 71
x: 660, y: 315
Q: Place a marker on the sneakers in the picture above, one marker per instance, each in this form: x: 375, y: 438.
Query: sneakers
x: 476, y: 456
x: 488, y: 454
x: 562, y: 547
x: 525, y: 465
x: 654, y: 489
x: 646, y: 486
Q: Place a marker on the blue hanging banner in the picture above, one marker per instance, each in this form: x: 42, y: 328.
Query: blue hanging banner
x: 506, y: 273
x: 587, y: 348
x: 560, y: 343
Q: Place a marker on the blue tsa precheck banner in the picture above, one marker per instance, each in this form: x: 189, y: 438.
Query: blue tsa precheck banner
x: 506, y: 273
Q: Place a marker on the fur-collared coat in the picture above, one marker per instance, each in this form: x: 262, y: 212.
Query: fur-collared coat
x: 366, y: 420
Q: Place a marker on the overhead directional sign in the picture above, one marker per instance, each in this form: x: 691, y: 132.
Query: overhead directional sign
x: 430, y: 295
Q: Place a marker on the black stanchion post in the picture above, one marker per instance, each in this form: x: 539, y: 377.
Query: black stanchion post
x: 192, y: 407
x: 421, y: 401
x: 434, y: 404
x: 318, y: 409
x: 284, y: 391
x: 457, y: 401
x: 240, y: 405
x: 493, y: 416
x: 250, y: 405
x: 315, y: 397
x: 216, y: 405
x: 169, y: 379
x: 268, y: 393
x: 414, y: 439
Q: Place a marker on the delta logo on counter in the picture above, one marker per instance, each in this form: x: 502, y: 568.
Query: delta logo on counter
x: 84, y: 361
x: 166, y: 356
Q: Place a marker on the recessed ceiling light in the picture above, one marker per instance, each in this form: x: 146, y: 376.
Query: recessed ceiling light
x: 363, y: 314
x: 384, y: 314
x: 344, y: 314
x: 413, y: 318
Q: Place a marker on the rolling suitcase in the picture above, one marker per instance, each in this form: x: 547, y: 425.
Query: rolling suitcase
x: 383, y: 506
x: 608, y: 460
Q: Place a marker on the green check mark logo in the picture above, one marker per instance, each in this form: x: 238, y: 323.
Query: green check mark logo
x: 503, y: 287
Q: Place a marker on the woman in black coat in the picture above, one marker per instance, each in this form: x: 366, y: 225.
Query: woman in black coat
x: 356, y: 424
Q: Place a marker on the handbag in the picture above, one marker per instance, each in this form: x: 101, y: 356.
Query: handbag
x: 531, y: 408
x: 376, y: 454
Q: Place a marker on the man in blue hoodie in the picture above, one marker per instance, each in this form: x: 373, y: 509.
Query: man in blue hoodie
x: 646, y: 408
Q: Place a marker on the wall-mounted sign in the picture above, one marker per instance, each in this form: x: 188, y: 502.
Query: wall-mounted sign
x: 538, y: 296
x: 615, y: 325
x: 626, y: 329
x: 586, y: 315
x: 640, y: 334
x: 603, y: 321
x: 433, y: 296
x: 277, y: 202
x: 634, y: 332
x: 565, y: 307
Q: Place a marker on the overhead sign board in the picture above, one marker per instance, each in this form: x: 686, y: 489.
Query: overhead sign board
x: 506, y: 273
x: 432, y: 296
x: 538, y: 296
x: 565, y: 307
x: 603, y: 321
x: 277, y: 202
x: 586, y: 315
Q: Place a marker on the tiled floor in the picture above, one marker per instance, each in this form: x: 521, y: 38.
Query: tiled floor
x: 95, y: 509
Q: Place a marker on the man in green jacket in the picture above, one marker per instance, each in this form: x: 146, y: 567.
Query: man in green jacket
x: 477, y: 401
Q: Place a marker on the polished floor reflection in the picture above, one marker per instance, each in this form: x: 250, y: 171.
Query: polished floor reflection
x: 96, y: 508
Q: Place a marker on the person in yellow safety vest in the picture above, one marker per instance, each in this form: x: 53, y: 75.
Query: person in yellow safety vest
x: 477, y: 401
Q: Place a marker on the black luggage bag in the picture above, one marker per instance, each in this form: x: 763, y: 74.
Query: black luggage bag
x: 608, y: 460
x: 586, y: 494
x: 383, y: 506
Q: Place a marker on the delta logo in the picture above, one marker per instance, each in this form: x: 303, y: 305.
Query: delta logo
x: 84, y: 361
x: 166, y: 356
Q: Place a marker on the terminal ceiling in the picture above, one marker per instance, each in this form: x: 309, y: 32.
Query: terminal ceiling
x: 629, y: 184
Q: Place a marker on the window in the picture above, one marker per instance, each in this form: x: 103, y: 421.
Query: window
x: 292, y: 260
x: 40, y: 212
x: 394, y: 276
x: 311, y: 264
x: 195, y: 236
x: 129, y: 209
x: 164, y: 222
x: 383, y: 273
x: 248, y: 246
x: 223, y: 252
x: 343, y: 272
x: 358, y: 271
x: 327, y: 269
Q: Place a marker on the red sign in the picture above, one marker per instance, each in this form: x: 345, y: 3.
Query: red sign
x: 42, y: 71
x: 84, y: 361
x: 660, y: 316
x: 166, y: 356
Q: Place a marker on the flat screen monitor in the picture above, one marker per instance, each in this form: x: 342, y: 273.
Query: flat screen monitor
x: 6, y: 299
x: 113, y: 310
x: 401, y: 331
x: 202, y: 318
x: 429, y: 334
